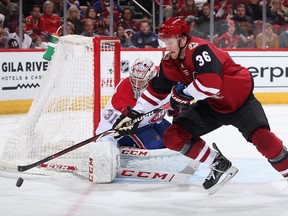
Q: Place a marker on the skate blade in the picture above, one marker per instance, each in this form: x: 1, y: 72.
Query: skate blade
x: 230, y: 173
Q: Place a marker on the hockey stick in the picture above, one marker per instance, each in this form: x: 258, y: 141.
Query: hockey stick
x: 85, y: 142
x: 136, y: 171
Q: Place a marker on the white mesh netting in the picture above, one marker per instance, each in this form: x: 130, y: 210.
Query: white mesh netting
x: 62, y: 112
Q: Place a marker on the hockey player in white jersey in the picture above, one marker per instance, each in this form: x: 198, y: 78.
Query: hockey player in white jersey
x: 143, y: 151
x: 150, y: 131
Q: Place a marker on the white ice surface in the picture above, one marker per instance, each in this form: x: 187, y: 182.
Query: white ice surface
x: 256, y: 190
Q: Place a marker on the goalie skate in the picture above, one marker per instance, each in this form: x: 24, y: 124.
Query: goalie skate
x: 221, y: 167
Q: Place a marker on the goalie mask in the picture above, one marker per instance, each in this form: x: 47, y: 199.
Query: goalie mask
x: 142, y: 71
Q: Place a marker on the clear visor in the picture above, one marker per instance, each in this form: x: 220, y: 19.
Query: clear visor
x: 167, y: 42
x: 161, y: 43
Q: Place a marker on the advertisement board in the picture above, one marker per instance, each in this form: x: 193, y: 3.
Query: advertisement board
x: 269, y: 69
x: 22, y: 72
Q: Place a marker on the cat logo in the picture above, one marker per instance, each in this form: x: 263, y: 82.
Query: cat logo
x: 192, y: 45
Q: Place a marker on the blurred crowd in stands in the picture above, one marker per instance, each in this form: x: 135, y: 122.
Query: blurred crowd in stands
x: 236, y: 23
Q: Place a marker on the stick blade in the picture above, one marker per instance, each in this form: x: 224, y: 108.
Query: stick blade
x: 23, y: 168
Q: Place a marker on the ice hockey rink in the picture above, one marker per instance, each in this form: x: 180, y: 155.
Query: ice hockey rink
x: 256, y: 190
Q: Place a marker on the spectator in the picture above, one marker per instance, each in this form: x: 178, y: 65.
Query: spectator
x: 171, y: 9
x: 27, y: 7
x: 102, y: 8
x: 100, y: 27
x: 272, y: 39
x: 90, y: 13
x: 70, y: 29
x: 223, y: 9
x: 3, y: 38
x: 77, y: 5
x: 244, y: 24
x: 5, y: 10
x: 145, y: 17
x: 73, y: 16
x: 204, y: 22
x: 58, y: 7
x: 37, y: 43
x: 34, y: 27
x: 144, y: 38
x: 231, y: 39
x: 283, y: 39
x: 192, y: 20
x: 85, y: 3
x: 88, y: 28
x: 125, y: 38
x: 128, y: 21
x: 50, y: 21
x: 2, y: 20
x: 188, y: 8
x: 13, y: 41
x: 277, y: 15
x: 254, y: 10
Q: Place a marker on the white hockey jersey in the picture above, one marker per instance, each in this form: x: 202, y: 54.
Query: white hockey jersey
x: 122, y: 97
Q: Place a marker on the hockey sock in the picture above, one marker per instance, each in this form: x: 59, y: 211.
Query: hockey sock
x: 280, y: 163
x: 178, y: 139
x: 200, y: 151
x: 266, y: 142
x: 270, y: 146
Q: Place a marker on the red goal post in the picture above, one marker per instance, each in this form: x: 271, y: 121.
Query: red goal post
x: 104, y: 45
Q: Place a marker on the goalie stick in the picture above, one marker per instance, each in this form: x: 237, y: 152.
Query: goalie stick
x: 22, y: 168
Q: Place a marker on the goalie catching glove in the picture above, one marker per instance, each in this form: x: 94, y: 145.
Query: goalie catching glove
x: 179, y: 100
x: 127, y: 123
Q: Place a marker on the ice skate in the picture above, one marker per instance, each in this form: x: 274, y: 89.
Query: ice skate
x: 220, y: 166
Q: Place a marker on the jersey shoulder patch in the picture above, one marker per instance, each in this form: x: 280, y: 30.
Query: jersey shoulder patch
x: 192, y: 45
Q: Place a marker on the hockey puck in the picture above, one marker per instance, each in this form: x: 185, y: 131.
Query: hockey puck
x: 19, y: 182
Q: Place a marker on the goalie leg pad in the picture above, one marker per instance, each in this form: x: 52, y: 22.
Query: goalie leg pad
x: 104, y: 162
x: 157, y: 159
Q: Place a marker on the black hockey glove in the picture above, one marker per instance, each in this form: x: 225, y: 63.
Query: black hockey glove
x: 125, y: 124
x: 173, y: 113
x: 179, y: 100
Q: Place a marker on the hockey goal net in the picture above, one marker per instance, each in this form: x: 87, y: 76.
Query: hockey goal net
x: 80, y: 79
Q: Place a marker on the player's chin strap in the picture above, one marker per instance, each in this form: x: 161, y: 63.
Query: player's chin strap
x: 179, y: 44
